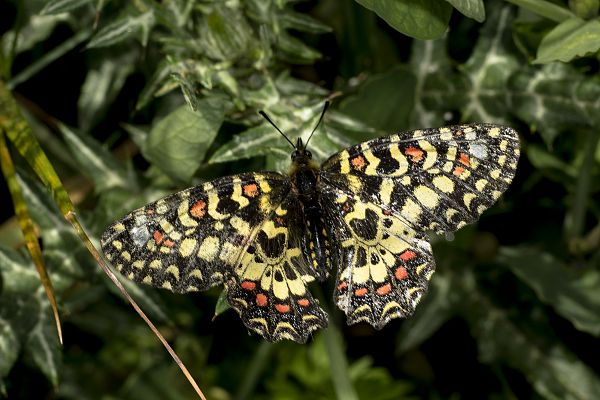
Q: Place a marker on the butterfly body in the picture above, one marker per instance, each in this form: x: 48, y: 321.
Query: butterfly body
x: 363, y: 213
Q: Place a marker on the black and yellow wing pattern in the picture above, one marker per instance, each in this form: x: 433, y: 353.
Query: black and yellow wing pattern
x: 367, y: 211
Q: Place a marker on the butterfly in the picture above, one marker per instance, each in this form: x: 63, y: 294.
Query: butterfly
x: 364, y: 214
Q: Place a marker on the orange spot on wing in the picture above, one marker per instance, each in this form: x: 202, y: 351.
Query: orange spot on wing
x: 158, y: 237
x: 248, y: 285
x: 415, y: 153
x: 385, y: 289
x: 169, y: 243
x: 198, y: 209
x: 343, y: 285
x: 261, y: 300
x: 303, y: 302
x: 407, y: 255
x: 361, y: 292
x: 251, y: 190
x: 282, y: 308
x: 358, y: 163
x: 401, y: 273
x: 464, y: 159
x: 387, y: 212
x: 458, y: 170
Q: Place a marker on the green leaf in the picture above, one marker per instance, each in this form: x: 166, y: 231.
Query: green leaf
x: 421, y: 19
x: 37, y: 29
x: 574, y: 296
x: 545, y: 8
x: 568, y: 40
x: 60, y: 6
x: 471, y: 8
x: 178, y: 142
x: 553, y: 371
x: 222, y: 304
x: 124, y: 28
x: 338, y: 363
x: 384, y: 101
x: 225, y: 33
x: 101, y: 87
x: 303, y: 22
x: 95, y: 161
x: 489, y: 68
x: 295, y: 50
x: 9, y: 345
x: 555, y: 97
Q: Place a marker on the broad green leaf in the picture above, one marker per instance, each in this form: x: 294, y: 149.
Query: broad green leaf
x: 552, y: 370
x: 570, y: 39
x: 95, y: 161
x: 178, y: 142
x: 555, y: 97
x: 421, y: 19
x: 574, y: 296
x: 9, y: 345
x: 471, y: 8
x: 433, y: 311
x: 124, y: 28
x: 60, y: 6
x: 384, y: 101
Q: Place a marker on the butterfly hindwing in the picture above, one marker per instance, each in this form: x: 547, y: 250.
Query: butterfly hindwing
x: 269, y: 286
x: 384, y: 194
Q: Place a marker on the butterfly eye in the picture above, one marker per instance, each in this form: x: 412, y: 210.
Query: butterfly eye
x: 308, y: 154
x: 295, y: 154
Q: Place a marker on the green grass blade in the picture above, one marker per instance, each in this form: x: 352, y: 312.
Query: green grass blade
x: 338, y: 363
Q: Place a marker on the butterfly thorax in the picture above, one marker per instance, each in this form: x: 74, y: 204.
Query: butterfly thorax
x: 304, y: 175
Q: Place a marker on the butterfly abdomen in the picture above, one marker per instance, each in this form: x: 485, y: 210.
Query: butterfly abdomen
x: 304, y: 178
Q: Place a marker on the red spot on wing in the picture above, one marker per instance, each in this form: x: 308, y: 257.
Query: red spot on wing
x: 248, y: 285
x: 261, y: 300
x: 385, y: 289
x: 458, y: 171
x: 198, y: 209
x: 282, y: 308
x: 251, y: 190
x: 361, y: 292
x: 343, y: 285
x: 358, y: 163
x: 303, y: 302
x: 408, y: 255
x: 158, y: 237
x: 464, y: 159
x: 169, y: 243
x: 415, y: 153
x: 401, y: 273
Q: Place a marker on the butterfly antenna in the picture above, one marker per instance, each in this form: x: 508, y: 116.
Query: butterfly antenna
x: 265, y: 116
x: 325, y: 107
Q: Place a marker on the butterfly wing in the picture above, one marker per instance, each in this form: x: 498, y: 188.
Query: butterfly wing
x: 384, y: 194
x: 269, y: 286
x: 202, y: 236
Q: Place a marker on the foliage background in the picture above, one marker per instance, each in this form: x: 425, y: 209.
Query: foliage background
x: 134, y: 100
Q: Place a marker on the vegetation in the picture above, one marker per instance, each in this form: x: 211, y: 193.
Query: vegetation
x: 133, y: 100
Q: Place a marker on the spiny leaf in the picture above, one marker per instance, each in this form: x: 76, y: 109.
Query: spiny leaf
x: 568, y: 40
x: 574, y: 296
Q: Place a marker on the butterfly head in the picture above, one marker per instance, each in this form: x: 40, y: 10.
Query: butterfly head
x: 300, y: 155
